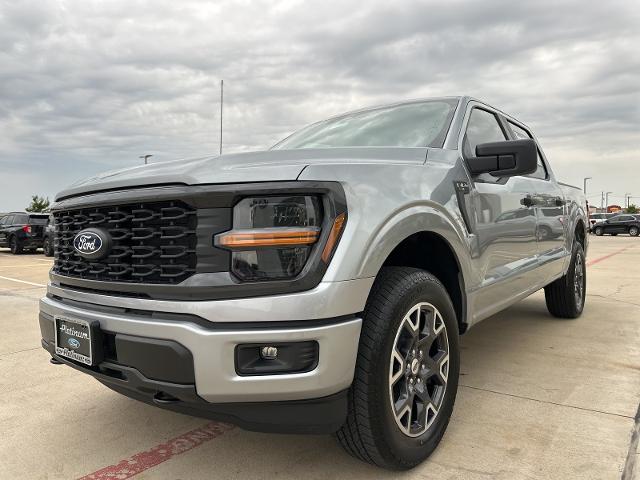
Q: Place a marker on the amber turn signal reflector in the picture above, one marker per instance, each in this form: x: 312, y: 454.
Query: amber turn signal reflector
x: 334, y: 235
x: 276, y: 237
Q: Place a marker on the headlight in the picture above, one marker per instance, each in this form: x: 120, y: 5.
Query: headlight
x: 274, y: 236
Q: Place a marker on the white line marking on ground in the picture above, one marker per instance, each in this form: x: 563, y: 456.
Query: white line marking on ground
x: 27, y: 265
x: 22, y: 281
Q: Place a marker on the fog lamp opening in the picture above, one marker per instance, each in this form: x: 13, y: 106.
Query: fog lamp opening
x: 276, y: 358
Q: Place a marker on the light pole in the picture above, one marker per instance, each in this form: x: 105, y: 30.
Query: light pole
x: 221, y: 103
x: 584, y: 183
x: 146, y: 156
x: 607, y: 200
x: 627, y: 198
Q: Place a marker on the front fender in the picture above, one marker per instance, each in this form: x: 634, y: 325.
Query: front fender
x: 409, y: 221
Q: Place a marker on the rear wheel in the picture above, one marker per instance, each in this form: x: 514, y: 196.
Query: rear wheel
x: 566, y: 296
x: 598, y: 231
x: 15, y: 246
x: 634, y: 231
x: 406, y: 374
x: 47, y: 247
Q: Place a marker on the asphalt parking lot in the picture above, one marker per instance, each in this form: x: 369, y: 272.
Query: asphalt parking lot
x: 539, y: 398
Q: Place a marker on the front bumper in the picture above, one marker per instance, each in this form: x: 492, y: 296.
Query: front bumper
x: 319, y: 415
x: 201, y: 378
x: 213, y: 349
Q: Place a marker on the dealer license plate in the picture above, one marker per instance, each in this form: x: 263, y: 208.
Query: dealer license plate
x: 73, y: 340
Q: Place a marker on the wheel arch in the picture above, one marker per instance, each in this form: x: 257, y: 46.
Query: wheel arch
x: 432, y: 252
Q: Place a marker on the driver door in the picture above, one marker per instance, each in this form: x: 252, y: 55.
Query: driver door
x: 504, y: 223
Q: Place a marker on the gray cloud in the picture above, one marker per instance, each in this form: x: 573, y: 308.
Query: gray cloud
x: 87, y: 86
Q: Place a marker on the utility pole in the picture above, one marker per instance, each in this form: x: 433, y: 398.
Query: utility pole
x: 146, y: 156
x: 627, y: 198
x: 607, y: 200
x: 221, y: 103
x: 584, y: 183
x: 601, y: 200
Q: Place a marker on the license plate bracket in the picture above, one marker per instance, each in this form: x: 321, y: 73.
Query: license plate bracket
x: 78, y: 340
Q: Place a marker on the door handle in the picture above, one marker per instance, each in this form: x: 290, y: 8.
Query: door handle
x: 528, y: 201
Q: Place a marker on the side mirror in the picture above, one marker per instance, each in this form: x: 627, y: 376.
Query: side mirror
x: 505, y: 159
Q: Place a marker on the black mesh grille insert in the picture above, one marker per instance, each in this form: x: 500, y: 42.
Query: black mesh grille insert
x: 153, y: 242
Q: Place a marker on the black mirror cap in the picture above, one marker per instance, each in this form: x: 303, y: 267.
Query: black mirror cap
x: 505, y: 159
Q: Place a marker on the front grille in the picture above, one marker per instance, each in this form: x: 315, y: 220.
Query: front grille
x: 153, y: 242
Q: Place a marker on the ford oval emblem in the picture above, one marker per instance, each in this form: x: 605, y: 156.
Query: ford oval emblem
x: 73, y: 343
x: 90, y: 243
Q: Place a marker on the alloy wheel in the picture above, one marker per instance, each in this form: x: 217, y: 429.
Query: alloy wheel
x: 418, y: 369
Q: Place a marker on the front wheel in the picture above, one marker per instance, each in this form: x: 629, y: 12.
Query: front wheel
x: 634, y: 231
x: 406, y: 376
x: 566, y: 296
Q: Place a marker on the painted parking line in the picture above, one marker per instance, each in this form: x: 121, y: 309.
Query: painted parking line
x: 604, y: 257
x: 22, y: 281
x: 26, y: 265
x: 142, y: 461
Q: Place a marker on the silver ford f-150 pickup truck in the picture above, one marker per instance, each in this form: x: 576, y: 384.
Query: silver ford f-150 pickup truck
x: 320, y: 286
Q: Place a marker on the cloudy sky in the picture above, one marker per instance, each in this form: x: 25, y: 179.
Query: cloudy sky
x: 88, y: 86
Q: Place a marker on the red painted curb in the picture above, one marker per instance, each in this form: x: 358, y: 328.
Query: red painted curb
x: 142, y: 461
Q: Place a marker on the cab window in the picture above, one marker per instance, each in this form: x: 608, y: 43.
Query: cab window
x: 521, y: 134
x: 482, y: 127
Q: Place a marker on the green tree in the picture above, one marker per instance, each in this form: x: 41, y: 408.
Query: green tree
x: 632, y: 209
x: 38, y: 204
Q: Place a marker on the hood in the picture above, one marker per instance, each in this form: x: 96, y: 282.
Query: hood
x: 265, y: 166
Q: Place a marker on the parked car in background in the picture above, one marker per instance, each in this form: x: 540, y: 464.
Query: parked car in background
x: 47, y: 241
x: 596, y: 218
x: 624, y: 223
x: 22, y: 231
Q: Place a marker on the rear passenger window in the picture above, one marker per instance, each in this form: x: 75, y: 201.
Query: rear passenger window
x: 483, y: 127
x: 521, y: 134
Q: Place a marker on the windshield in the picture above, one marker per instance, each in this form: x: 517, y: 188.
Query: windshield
x: 418, y: 124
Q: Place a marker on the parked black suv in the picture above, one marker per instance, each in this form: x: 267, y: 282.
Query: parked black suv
x: 22, y: 231
x: 623, y: 223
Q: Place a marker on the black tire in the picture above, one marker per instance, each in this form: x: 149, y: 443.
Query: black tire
x: 46, y: 247
x: 15, y: 246
x: 370, y: 432
x: 598, y: 231
x: 563, y: 300
x: 634, y: 231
